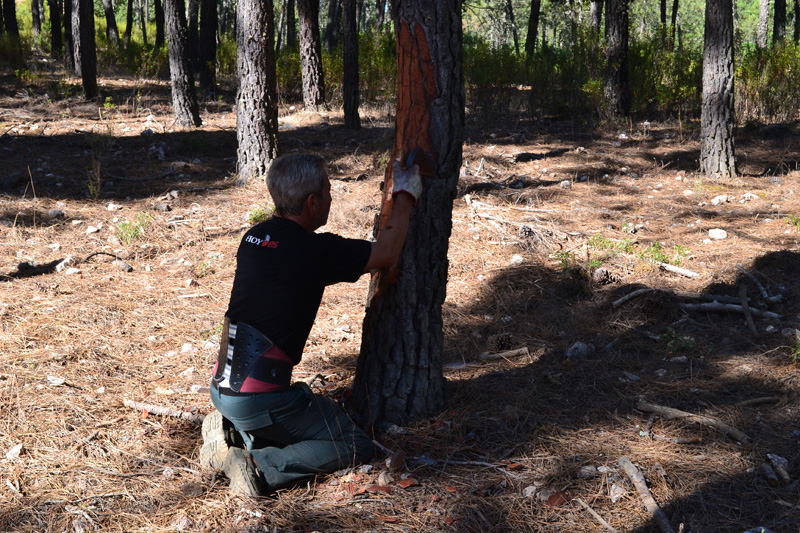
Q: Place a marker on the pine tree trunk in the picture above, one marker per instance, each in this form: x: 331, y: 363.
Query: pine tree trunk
x: 533, y: 28
x: 673, y: 21
x: 184, y: 98
x: 380, y: 14
x: 596, y: 15
x: 350, y: 82
x: 142, y: 12
x: 158, y: 8
x: 291, y: 25
x: 84, y: 45
x: 112, y: 33
x: 617, y: 88
x: 69, y: 44
x: 10, y: 18
x: 717, y: 113
x: 194, y: 34
x: 332, y: 27
x: 56, y: 42
x: 779, y: 22
x: 311, y: 55
x: 128, y: 23
x: 399, y: 374
x: 257, y: 101
x: 513, y: 22
x: 37, y: 11
x: 763, y: 24
x: 796, y: 35
x: 208, y: 44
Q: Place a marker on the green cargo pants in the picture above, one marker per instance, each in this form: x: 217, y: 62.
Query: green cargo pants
x: 316, y: 435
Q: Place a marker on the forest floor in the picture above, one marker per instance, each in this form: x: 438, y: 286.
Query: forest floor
x: 553, y: 226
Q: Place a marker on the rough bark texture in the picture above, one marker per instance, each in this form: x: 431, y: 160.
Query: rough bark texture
x: 56, y: 42
x: 84, y: 44
x: 717, y: 114
x: 112, y: 33
x: 533, y: 28
x: 779, y: 22
x: 596, y: 15
x: 257, y: 100
x: 158, y: 9
x: 399, y: 375
x: 350, y: 82
x: 617, y: 87
x: 208, y: 44
x: 762, y: 33
x: 311, y: 54
x: 184, y: 99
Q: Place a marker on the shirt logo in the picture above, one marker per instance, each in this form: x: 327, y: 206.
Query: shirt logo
x: 266, y: 242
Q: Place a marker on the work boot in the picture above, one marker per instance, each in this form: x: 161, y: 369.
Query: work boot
x: 246, y: 478
x: 215, y: 445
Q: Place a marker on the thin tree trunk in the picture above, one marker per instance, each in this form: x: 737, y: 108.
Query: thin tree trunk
x: 158, y: 8
x: 208, y: 44
x: 279, y: 42
x: 673, y: 21
x: 69, y: 41
x: 717, y: 114
x: 37, y: 12
x: 334, y: 22
x: 617, y: 88
x: 663, y: 14
x: 399, y: 373
x: 596, y: 15
x: 184, y: 98
x: 85, y: 49
x: 513, y: 22
x: 350, y: 82
x: 194, y: 34
x: 380, y: 15
x: 56, y: 42
x: 142, y: 13
x: 257, y: 101
x: 10, y: 18
x: 291, y: 25
x: 128, y: 23
x: 112, y: 33
x: 533, y: 29
x: 763, y: 24
x: 796, y: 35
x: 311, y: 55
x: 779, y: 22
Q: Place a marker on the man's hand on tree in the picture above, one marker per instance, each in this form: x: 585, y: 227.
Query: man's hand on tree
x: 407, y: 181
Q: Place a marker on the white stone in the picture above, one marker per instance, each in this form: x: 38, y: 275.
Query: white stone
x: 718, y: 234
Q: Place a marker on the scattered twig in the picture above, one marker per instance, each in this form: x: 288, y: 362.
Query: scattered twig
x: 487, y: 356
x: 644, y: 493
x: 631, y: 296
x: 717, y: 306
x: 669, y: 412
x: 746, y: 309
x: 757, y: 401
x: 596, y: 516
x: 767, y: 297
x: 677, y: 270
x: 164, y: 411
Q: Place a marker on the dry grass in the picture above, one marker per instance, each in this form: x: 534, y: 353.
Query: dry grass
x: 73, y: 347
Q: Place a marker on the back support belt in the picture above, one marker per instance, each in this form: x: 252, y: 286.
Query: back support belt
x: 250, y: 358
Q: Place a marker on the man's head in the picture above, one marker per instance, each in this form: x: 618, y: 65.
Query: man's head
x: 298, y: 181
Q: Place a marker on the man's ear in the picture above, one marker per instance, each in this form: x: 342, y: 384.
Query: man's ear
x: 311, y: 202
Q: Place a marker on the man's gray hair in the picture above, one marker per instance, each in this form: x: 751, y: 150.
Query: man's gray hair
x: 291, y: 178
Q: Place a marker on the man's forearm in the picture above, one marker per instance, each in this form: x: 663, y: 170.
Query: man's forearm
x: 386, y: 249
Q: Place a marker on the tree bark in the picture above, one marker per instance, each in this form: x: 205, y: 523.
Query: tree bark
x: 717, y: 114
x: 763, y: 24
x: 663, y: 14
x: 380, y: 15
x: 184, y: 98
x: 673, y: 21
x: 69, y: 41
x: 56, y: 42
x: 85, y: 49
x: 533, y: 28
x: 291, y: 25
x: 37, y: 12
x: 128, y: 23
x: 796, y: 35
x: 142, y: 14
x: 513, y: 22
x: 208, y: 44
x: 617, y: 87
x: 311, y: 55
x: 596, y: 15
x: 257, y: 100
x: 158, y: 8
x: 194, y: 34
x: 10, y: 18
x: 779, y: 22
x: 399, y: 374
x: 350, y: 82
x: 112, y: 33
x: 333, y: 26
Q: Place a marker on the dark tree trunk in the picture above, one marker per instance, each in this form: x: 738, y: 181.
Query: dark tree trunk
x: 257, y: 101
x: 334, y: 22
x: 291, y: 25
x: 311, y: 54
x: 350, y: 82
x: 56, y: 42
x: 69, y: 41
x: 2, y: 19
x: 194, y: 34
x: 796, y: 35
x: 37, y: 12
x: 673, y: 23
x: 111, y: 22
x: 399, y: 374
x: 208, y: 44
x: 762, y: 33
x: 158, y: 8
x: 10, y: 18
x: 128, y: 23
x: 279, y: 41
x: 663, y: 14
x: 596, y: 15
x: 717, y: 114
x: 779, y: 22
x: 184, y: 99
x: 142, y: 13
x: 617, y: 88
x: 380, y: 14
x: 85, y: 50
x: 513, y: 22
x: 533, y: 28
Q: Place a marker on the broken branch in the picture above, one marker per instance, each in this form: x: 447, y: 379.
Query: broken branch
x: 716, y: 306
x: 164, y: 411
x: 597, y: 516
x: 644, y: 493
x: 677, y: 270
x: 487, y: 356
x: 669, y: 412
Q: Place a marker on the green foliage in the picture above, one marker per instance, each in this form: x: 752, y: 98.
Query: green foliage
x: 655, y: 252
x: 127, y: 232
x: 675, y: 342
x: 226, y: 56
x: 260, y: 214
x: 794, y: 221
x: 290, y: 82
x: 377, y: 67
x: 766, y: 87
x: 94, y: 179
x: 601, y: 243
x: 796, y: 352
x: 491, y: 75
x: 566, y: 259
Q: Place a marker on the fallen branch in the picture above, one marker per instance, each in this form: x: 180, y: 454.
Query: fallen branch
x: 487, y: 356
x: 746, y: 309
x: 644, y: 493
x: 767, y: 297
x: 720, y: 307
x: 631, y: 296
x: 669, y: 412
x: 597, y: 516
x: 677, y: 270
x: 758, y: 401
x: 164, y: 411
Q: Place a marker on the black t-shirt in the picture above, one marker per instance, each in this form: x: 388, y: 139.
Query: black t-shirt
x: 281, y: 272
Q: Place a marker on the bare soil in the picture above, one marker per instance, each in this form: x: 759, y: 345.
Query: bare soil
x: 530, y: 233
